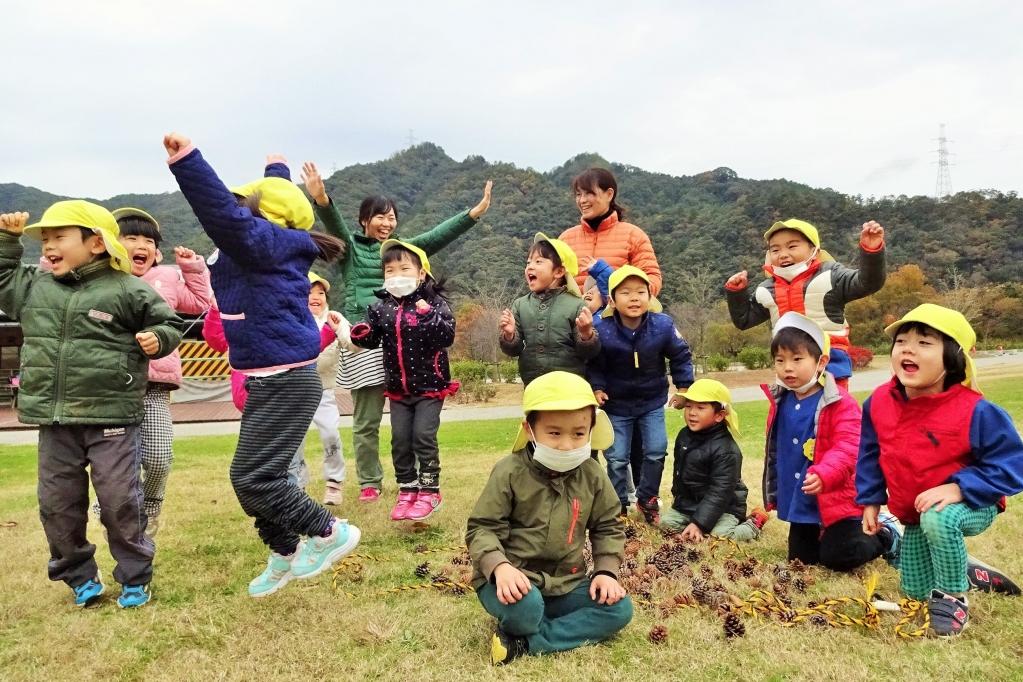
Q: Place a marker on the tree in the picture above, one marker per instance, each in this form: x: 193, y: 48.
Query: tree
x: 700, y: 291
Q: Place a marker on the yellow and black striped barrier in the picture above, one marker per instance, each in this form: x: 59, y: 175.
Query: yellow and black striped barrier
x: 199, y: 361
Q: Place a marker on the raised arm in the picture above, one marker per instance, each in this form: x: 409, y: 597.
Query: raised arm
x: 325, y: 209
x: 454, y: 227
x: 15, y: 278
x: 852, y: 284
x: 194, y: 292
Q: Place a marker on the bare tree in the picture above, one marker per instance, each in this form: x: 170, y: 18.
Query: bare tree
x: 700, y: 291
x: 958, y: 295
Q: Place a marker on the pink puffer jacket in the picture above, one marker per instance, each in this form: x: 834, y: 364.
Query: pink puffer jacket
x: 186, y: 291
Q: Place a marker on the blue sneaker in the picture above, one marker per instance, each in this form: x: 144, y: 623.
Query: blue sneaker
x: 890, y: 527
x: 318, y: 554
x: 277, y: 575
x: 134, y: 596
x: 88, y: 592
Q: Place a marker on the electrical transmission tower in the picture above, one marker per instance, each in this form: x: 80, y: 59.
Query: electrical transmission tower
x: 943, y: 185
x: 411, y: 138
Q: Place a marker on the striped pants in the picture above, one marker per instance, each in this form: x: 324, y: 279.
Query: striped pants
x: 277, y: 415
x: 933, y: 554
x: 157, y: 434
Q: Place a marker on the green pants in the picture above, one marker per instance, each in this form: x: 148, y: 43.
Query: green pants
x: 727, y: 526
x: 369, y: 410
x: 933, y: 555
x: 557, y: 623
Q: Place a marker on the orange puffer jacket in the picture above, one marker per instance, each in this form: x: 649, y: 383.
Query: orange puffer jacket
x: 619, y: 243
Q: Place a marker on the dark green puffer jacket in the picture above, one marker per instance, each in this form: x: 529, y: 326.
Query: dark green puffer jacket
x: 361, y: 267
x: 80, y: 363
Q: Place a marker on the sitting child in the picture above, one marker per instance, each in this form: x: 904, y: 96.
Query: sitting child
x: 940, y: 456
x: 527, y: 531
x: 813, y: 435
x: 710, y: 497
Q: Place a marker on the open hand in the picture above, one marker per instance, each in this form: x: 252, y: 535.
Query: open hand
x: 606, y: 590
x: 507, y: 325
x: 678, y: 401
x: 872, y: 235
x: 512, y: 584
x: 14, y: 222
x: 314, y: 183
x: 276, y: 158
x: 586, y: 262
x: 175, y: 142
x: 184, y: 253
x: 938, y: 497
x: 738, y: 281
x: 149, y: 343
x: 584, y: 324
x: 477, y: 211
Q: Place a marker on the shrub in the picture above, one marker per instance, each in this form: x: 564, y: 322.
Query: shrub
x: 476, y: 391
x: 754, y: 357
x: 469, y: 370
x: 860, y: 357
x: 509, y: 370
x: 718, y: 363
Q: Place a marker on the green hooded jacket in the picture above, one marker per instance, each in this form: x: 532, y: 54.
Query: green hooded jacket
x: 537, y: 521
x: 80, y: 363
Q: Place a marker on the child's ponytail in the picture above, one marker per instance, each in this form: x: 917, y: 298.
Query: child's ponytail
x: 331, y: 248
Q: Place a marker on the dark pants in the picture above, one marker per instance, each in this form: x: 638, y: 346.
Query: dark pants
x: 414, y: 424
x: 843, y: 546
x: 112, y: 455
x: 277, y: 415
x: 557, y: 623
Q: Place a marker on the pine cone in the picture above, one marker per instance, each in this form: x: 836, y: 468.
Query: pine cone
x: 438, y: 578
x: 423, y: 569
x: 693, y: 555
x: 462, y: 559
x: 780, y: 590
x: 630, y: 531
x: 733, y: 626
x: 799, y: 584
x: 732, y: 565
x: 733, y: 575
x: 421, y: 549
x: 786, y: 615
x: 706, y: 571
x: 748, y: 570
x: 658, y: 634
x: 818, y: 620
x: 702, y: 595
x: 797, y: 565
x: 683, y: 599
x: 724, y: 608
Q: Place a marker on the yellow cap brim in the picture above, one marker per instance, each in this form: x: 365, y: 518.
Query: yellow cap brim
x: 118, y: 254
x: 601, y: 437
x: 609, y: 309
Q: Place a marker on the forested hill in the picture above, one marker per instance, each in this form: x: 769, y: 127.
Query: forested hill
x: 714, y: 219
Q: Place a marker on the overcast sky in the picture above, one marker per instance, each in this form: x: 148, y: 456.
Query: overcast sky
x: 842, y: 95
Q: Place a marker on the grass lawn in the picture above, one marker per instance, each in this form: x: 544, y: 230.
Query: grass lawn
x: 202, y: 625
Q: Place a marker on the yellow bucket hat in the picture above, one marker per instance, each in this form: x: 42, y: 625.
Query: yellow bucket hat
x: 389, y: 244
x: 129, y: 212
x: 619, y: 276
x: 802, y: 227
x: 79, y: 213
x: 950, y: 322
x: 568, y: 259
x: 280, y: 201
x: 562, y: 391
x: 711, y: 391
x: 316, y: 279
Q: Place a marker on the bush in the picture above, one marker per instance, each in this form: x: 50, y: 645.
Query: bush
x: 509, y: 370
x: 718, y: 363
x: 754, y: 357
x: 469, y: 370
x: 860, y: 357
x: 476, y: 391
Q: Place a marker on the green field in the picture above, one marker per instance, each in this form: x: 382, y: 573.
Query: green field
x: 202, y: 625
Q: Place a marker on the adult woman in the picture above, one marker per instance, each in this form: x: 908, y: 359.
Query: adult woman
x: 363, y: 373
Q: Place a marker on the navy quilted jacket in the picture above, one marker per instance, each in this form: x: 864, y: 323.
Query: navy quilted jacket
x: 259, y: 273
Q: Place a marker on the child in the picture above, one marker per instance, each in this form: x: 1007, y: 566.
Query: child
x: 527, y: 531
x: 813, y: 433
x: 805, y: 279
x: 259, y: 275
x: 327, y: 418
x: 709, y: 495
x: 629, y: 381
x: 186, y: 289
x: 414, y: 324
x: 550, y: 328
x: 90, y: 329
x: 940, y: 456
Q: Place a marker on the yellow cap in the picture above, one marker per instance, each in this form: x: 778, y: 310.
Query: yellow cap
x: 79, y: 213
x: 563, y: 391
x: 568, y: 259
x: 316, y: 279
x: 389, y: 244
x: 129, y: 212
x: 950, y: 322
x: 801, y: 226
x: 280, y: 201
x: 619, y: 276
x: 711, y: 391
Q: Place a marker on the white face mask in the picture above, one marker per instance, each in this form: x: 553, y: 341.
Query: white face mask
x: 815, y: 379
x: 560, y: 460
x: 400, y: 286
x: 790, y: 272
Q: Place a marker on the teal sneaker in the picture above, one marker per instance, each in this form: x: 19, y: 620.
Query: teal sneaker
x: 88, y: 592
x: 318, y: 554
x: 277, y: 575
x: 134, y: 596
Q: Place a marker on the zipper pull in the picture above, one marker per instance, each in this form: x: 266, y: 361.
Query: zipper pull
x: 635, y: 358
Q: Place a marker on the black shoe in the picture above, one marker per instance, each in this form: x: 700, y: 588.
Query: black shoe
x: 505, y: 648
x: 625, y: 511
x: 988, y: 578
x: 651, y: 510
x: 949, y: 614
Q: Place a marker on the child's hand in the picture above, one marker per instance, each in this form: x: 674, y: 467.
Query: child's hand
x: 13, y: 222
x: 507, y: 325
x: 149, y: 343
x: 586, y: 262
x: 738, y: 281
x: 813, y: 485
x: 334, y: 320
x: 678, y: 401
x: 276, y: 158
x: 870, y: 524
x: 872, y: 236
x: 422, y: 307
x: 512, y: 584
x: 314, y: 183
x: 174, y: 143
x: 938, y: 497
x: 184, y: 253
x: 477, y: 211
x: 605, y: 590
x: 584, y: 324
x: 693, y: 533
x: 600, y: 396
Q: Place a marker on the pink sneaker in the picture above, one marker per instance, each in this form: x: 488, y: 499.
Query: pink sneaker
x: 426, y: 504
x: 403, y: 506
x: 369, y: 494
